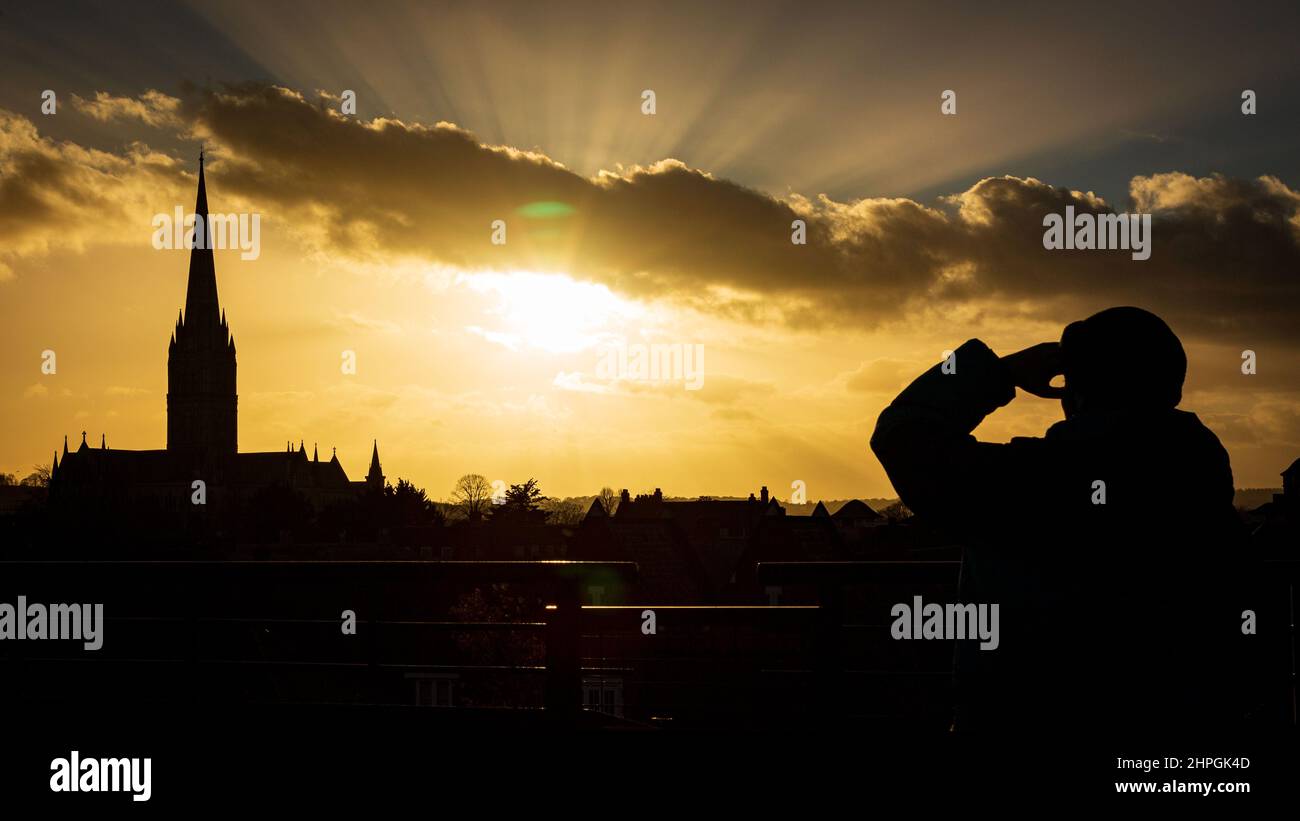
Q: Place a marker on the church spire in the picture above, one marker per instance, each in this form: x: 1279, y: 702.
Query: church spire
x: 201, y: 305
x: 375, y: 478
x: 202, y: 406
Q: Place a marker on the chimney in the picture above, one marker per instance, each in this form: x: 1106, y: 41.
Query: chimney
x: 762, y: 495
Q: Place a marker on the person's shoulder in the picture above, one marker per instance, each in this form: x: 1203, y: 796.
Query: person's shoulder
x: 1193, y: 428
x: 1074, y: 429
x: 1186, y: 423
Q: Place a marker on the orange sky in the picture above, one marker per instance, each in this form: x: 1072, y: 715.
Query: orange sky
x: 672, y: 228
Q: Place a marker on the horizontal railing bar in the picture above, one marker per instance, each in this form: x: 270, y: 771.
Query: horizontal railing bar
x: 797, y: 671
x: 411, y: 570
x: 917, y: 572
x: 702, y: 607
x: 858, y: 572
x: 519, y: 668
x: 458, y: 625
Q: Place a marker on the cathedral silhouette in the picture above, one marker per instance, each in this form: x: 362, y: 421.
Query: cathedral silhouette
x: 202, y: 422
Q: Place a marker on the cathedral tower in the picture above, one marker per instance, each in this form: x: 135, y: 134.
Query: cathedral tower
x: 201, y: 399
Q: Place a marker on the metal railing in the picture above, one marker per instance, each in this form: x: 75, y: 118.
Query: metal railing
x: 270, y: 631
x: 274, y: 630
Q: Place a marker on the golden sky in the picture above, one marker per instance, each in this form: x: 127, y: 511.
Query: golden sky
x: 923, y: 231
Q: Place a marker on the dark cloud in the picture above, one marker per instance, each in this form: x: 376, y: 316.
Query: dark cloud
x: 60, y: 195
x: 1224, y: 262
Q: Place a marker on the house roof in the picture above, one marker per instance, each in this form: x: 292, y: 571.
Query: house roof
x: 855, y: 509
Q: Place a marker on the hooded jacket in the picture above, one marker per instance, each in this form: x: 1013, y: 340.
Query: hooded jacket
x: 1110, y: 544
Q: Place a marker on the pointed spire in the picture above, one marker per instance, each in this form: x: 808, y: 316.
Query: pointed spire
x: 54, y: 470
x: 103, y: 441
x: 65, y: 446
x: 201, y: 304
x: 83, y: 442
x: 201, y: 203
x: 375, y: 478
x: 315, y: 454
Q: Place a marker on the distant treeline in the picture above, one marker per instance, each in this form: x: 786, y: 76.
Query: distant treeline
x: 1252, y: 497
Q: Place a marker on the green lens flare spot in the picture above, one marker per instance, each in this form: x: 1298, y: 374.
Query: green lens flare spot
x: 545, y: 209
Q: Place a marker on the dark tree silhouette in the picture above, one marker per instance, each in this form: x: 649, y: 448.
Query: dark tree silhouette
x: 406, y: 505
x: 608, y: 500
x: 564, y: 511
x: 473, y: 495
x: 522, y: 504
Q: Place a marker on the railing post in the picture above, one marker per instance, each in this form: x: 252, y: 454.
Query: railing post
x: 1291, y: 625
x: 563, y: 664
x: 829, y: 663
x: 370, y: 624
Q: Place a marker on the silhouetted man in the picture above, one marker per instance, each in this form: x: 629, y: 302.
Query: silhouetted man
x: 1110, y: 544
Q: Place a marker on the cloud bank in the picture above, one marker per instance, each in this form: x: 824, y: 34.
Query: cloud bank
x: 1225, y: 259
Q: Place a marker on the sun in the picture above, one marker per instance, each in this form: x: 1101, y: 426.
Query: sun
x: 551, y: 312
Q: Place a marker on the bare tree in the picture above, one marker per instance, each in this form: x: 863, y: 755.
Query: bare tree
x: 473, y: 495
x: 608, y: 500
x: 39, y: 477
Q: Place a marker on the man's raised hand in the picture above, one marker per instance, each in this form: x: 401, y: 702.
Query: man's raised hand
x: 1033, y: 369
